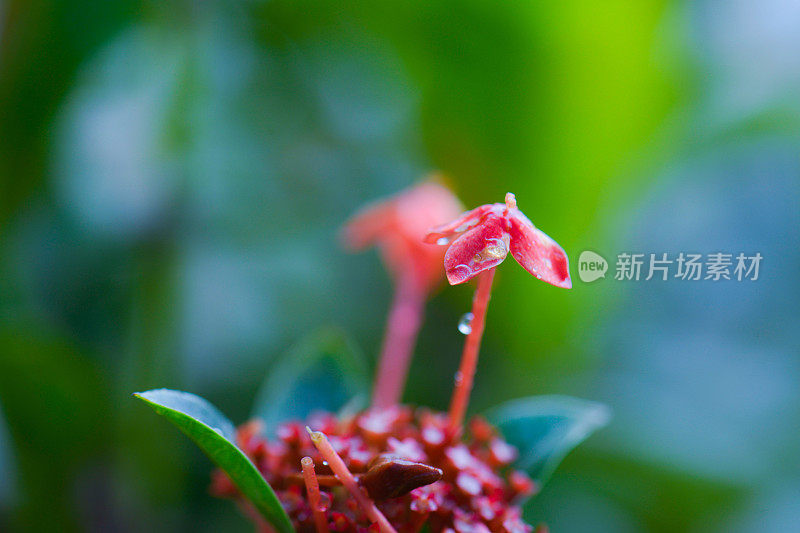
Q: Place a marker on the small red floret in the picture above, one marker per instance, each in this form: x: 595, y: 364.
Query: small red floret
x: 398, y: 224
x: 482, y: 238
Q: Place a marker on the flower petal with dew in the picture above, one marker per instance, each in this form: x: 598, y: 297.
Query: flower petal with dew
x: 482, y: 238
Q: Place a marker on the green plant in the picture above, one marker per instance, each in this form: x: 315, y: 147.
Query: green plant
x: 392, y: 467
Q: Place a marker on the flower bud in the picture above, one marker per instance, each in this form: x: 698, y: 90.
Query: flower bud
x: 390, y: 476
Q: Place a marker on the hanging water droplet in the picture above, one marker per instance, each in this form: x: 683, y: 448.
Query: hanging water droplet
x: 324, y: 501
x: 465, y: 324
x: 441, y: 241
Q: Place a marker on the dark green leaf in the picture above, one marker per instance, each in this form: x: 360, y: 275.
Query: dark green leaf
x: 545, y: 428
x: 214, y: 433
x: 325, y: 371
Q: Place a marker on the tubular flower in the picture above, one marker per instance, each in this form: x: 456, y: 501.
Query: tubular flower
x: 482, y: 238
x: 398, y: 224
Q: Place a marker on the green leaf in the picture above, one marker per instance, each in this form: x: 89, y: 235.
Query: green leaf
x: 214, y: 433
x: 545, y: 428
x: 325, y: 371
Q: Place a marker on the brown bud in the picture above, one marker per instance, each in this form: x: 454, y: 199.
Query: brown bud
x: 389, y: 476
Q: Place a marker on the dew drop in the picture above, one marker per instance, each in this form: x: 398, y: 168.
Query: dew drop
x: 465, y: 324
x: 324, y: 502
x: 465, y: 267
x: 441, y: 241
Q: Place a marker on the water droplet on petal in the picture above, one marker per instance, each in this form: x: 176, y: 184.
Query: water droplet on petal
x: 465, y: 267
x: 441, y: 241
x: 465, y: 324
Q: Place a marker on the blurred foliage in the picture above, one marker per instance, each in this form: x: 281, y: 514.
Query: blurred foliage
x: 324, y: 371
x: 544, y: 429
x: 54, y: 402
x: 172, y: 174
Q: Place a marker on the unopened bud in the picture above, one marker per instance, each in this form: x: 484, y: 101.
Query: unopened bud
x: 389, y: 476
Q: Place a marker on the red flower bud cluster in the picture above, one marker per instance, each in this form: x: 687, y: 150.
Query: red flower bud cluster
x: 478, y: 490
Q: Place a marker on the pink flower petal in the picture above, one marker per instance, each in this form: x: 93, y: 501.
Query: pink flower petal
x: 397, y: 225
x: 368, y: 225
x: 479, y: 249
x: 536, y: 252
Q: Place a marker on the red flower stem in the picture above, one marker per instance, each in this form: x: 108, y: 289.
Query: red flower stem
x: 469, y: 358
x: 312, y: 487
x: 346, y: 477
x: 402, y: 328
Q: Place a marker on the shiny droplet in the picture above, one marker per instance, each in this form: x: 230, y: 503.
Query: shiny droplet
x: 441, y: 241
x: 465, y: 324
x: 324, y: 502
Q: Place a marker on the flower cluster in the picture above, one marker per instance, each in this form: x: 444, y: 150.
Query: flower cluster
x: 478, y: 490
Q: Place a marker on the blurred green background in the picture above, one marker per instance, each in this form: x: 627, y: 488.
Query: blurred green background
x: 172, y: 174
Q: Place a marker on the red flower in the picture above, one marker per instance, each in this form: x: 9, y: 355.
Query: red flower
x: 398, y: 225
x: 470, y: 489
x: 481, y: 239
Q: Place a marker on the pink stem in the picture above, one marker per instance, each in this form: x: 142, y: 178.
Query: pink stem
x: 405, y: 319
x: 346, y: 477
x: 469, y: 358
x: 312, y: 487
